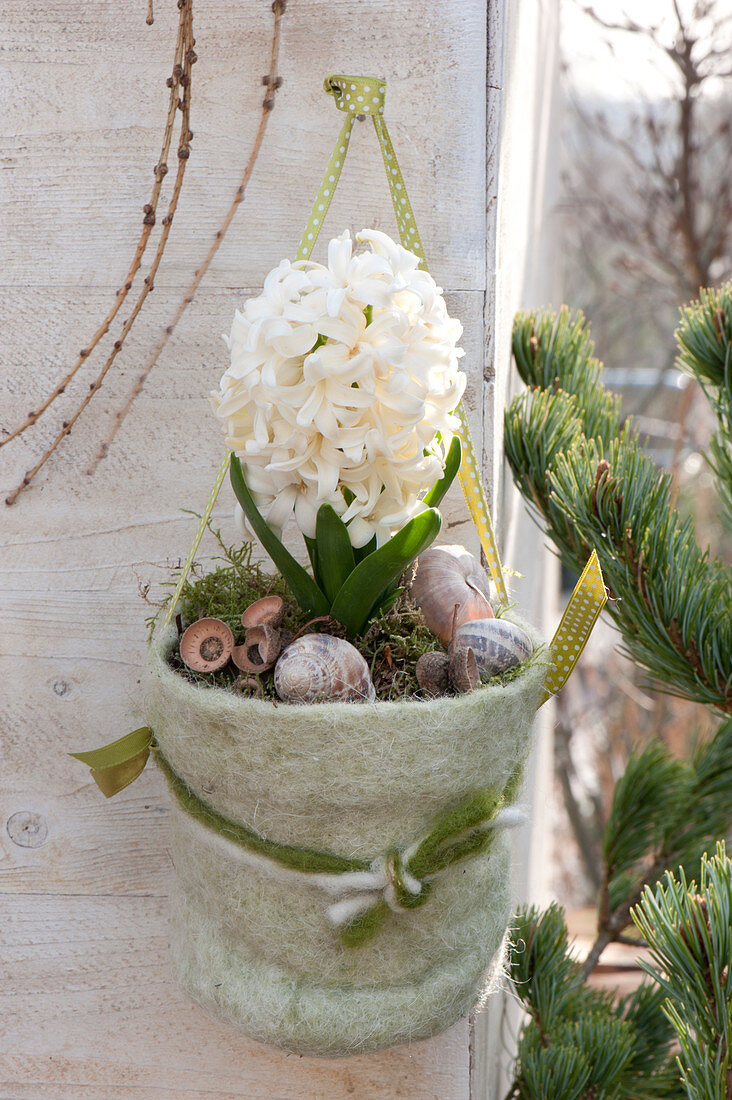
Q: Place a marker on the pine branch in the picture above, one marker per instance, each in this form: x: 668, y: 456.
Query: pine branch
x: 690, y: 936
x: 704, y: 338
x: 578, y: 1042
x: 665, y: 813
x: 592, y: 485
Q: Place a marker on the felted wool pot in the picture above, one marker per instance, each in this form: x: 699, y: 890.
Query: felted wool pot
x: 253, y: 939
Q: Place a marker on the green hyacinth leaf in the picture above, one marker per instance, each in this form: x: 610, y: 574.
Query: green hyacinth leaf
x: 452, y: 465
x: 334, y: 551
x: 371, y: 578
x: 387, y: 601
x: 312, y: 549
x: 303, y: 587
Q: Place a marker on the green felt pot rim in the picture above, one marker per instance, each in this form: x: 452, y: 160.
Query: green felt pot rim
x: 163, y: 642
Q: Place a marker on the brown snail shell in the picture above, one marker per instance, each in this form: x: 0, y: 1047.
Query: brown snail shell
x: 269, y: 609
x: 261, y: 648
x: 498, y: 645
x: 318, y: 668
x: 206, y: 645
x: 433, y: 672
x: 463, y: 668
x: 446, y: 577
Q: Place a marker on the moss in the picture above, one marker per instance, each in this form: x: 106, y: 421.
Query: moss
x: 391, y: 646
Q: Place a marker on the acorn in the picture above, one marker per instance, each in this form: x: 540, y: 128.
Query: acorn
x: 261, y: 648
x: 463, y: 669
x: 263, y: 641
x: 270, y: 609
x: 433, y: 672
x: 206, y: 645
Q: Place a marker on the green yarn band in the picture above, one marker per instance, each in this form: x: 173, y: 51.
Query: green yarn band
x: 296, y: 859
x: 465, y: 830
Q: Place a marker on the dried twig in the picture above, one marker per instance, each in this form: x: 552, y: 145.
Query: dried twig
x: 183, y: 73
x: 148, y: 221
x: 272, y: 82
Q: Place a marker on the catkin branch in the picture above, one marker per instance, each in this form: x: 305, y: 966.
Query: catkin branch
x: 272, y: 82
x: 148, y: 221
x: 182, y: 72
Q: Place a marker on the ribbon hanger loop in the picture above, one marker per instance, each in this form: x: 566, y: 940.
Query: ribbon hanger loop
x: 357, y: 95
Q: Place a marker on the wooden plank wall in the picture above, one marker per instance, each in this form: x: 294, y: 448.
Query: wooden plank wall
x: 88, y: 1009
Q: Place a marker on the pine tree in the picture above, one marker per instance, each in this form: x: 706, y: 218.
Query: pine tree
x: 588, y: 481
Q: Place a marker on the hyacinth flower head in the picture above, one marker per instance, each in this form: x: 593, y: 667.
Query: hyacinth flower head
x: 342, y: 391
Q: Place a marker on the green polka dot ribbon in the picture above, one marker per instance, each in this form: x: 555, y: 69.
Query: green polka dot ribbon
x: 364, y: 95
x: 205, y: 516
x: 585, y: 604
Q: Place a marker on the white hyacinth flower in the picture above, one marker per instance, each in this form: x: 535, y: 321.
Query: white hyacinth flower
x: 342, y: 388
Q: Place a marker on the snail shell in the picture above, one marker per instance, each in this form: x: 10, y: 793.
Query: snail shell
x: 446, y: 577
x: 206, y: 645
x: 318, y: 668
x: 433, y: 672
x: 497, y: 643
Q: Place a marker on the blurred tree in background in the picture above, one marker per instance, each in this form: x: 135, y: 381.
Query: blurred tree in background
x: 643, y: 739
x: 648, y: 186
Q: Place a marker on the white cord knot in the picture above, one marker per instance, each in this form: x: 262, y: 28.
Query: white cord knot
x: 389, y: 879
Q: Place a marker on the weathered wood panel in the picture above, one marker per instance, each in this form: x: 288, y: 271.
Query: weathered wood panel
x: 86, y: 99
x: 88, y: 1009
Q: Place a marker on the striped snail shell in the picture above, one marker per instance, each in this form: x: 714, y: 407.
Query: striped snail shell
x: 446, y: 577
x: 498, y: 645
x: 318, y: 668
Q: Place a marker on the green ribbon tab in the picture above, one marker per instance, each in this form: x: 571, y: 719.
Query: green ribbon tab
x: 115, y: 766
